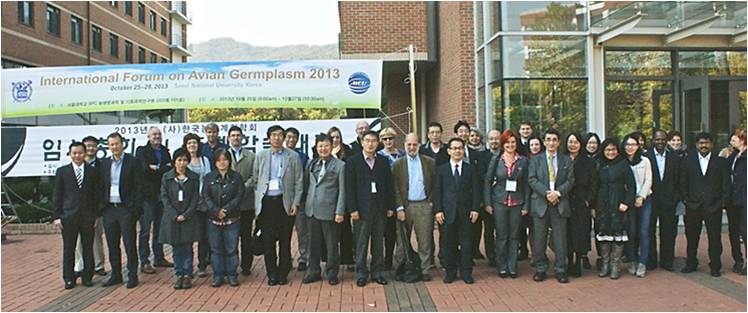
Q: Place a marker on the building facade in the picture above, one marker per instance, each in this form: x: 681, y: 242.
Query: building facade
x: 41, y: 33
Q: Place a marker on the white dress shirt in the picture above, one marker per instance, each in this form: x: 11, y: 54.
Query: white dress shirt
x: 704, y: 162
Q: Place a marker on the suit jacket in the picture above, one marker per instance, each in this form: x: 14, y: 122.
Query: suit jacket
x: 496, y: 173
x: 456, y: 201
x: 324, y: 198
x: 401, y: 179
x: 440, y: 157
x: 152, y: 178
x: 245, y: 167
x: 71, y: 203
x: 292, y: 179
x: 665, y: 191
x: 130, y: 183
x: 358, y: 186
x: 539, y: 182
x: 523, y: 149
x: 738, y: 174
x: 710, y: 192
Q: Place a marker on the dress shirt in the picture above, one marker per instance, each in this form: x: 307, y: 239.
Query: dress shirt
x: 704, y: 162
x: 276, y: 171
x: 416, y: 188
x: 115, y: 174
x: 660, y: 158
x: 452, y: 165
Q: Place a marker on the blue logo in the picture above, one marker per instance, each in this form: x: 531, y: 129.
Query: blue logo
x: 22, y: 91
x: 359, y: 83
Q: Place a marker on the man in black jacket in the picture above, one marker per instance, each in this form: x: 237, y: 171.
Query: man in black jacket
x: 477, y: 160
x: 456, y: 198
x: 156, y: 161
x: 369, y: 195
x: 74, y: 203
x: 665, y: 196
x: 705, y: 185
x: 434, y: 147
x: 121, y: 203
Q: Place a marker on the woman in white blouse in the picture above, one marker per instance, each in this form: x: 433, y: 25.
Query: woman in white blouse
x: 637, y: 248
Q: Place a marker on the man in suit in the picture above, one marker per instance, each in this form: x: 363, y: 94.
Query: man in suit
x: 413, y: 178
x: 525, y: 132
x: 705, y: 186
x: 156, y: 161
x: 455, y: 202
x: 324, y: 208
x: 361, y: 128
x: 477, y: 159
x: 278, y: 190
x: 74, y: 204
x: 434, y: 147
x: 212, y: 143
x: 302, y: 222
x: 665, y: 196
x: 243, y: 161
x: 369, y: 201
x: 121, y: 203
x: 92, y: 147
x: 551, y: 177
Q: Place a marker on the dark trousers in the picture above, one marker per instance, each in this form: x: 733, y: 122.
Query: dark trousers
x: 346, y: 241
x: 713, y: 222
x: 525, y: 234
x: 203, y: 245
x: 734, y: 222
x: 323, y: 234
x: 152, y: 212
x: 370, y: 229
x: 70, y: 232
x: 390, y: 237
x: 668, y: 223
x: 245, y: 234
x: 476, y: 232
x: 455, y: 241
x: 119, y: 224
x: 182, y: 254
x: 507, y: 221
x: 489, y: 235
x: 557, y: 224
x: 276, y: 226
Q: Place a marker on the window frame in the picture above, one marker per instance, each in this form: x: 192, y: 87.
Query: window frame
x: 21, y: 18
x: 76, y: 21
x: 54, y: 11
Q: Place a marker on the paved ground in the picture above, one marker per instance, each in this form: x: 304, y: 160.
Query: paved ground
x: 31, y: 281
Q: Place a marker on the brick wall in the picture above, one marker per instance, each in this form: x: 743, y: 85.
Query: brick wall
x: 381, y: 27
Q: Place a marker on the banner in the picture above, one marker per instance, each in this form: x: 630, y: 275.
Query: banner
x: 39, y: 151
x: 276, y: 84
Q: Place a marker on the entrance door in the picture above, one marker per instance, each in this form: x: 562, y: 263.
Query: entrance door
x: 713, y: 105
x: 695, y: 108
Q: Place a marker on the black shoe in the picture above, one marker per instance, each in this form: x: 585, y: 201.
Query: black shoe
x: 164, y: 263
x: 667, y: 267
x: 688, y: 269
x: 201, y: 272
x: 737, y: 267
x: 539, y: 276
x: 586, y: 262
x: 449, y: 278
x: 101, y: 272
x: 186, y: 282
x: 302, y: 267
x: 468, y: 279
x: 361, y: 282
x: 503, y: 274
x: 513, y: 275
x: 178, y: 284
x: 272, y: 282
x: 651, y: 266
x: 112, y: 281
x: 379, y: 280
x: 333, y: 280
x: 562, y: 278
x: 283, y: 281
x: 311, y: 279
x: 233, y: 281
x: 426, y: 277
x: 70, y: 284
x: 87, y: 283
x: 715, y: 273
x: 132, y: 283
x: 217, y: 282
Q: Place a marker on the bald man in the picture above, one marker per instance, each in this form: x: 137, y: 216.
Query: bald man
x: 156, y: 161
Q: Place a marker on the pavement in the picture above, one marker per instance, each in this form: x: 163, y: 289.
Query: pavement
x: 31, y: 280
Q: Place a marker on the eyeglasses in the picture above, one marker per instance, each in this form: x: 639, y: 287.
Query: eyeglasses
x: 387, y: 139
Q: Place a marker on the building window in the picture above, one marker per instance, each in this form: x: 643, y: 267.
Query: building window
x: 141, y: 55
x: 128, y: 51
x: 75, y: 30
x: 53, y: 20
x: 164, y: 60
x: 113, y: 4
x: 560, y: 104
x: 128, y: 8
x: 153, y: 21
x: 638, y: 105
x: 163, y: 26
x: 26, y: 12
x: 544, y: 56
x: 141, y: 12
x: 96, y: 38
x: 113, y: 45
x: 154, y: 58
x: 543, y: 16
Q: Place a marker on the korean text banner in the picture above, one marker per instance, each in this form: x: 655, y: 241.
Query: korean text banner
x: 39, y: 151
x: 271, y: 84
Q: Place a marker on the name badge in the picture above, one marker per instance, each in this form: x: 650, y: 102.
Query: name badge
x: 511, y: 185
x: 114, y: 191
x: 373, y: 187
x: 274, y: 185
x: 180, y: 196
x: 552, y: 185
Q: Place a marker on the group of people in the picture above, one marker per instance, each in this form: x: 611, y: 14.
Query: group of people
x: 351, y: 203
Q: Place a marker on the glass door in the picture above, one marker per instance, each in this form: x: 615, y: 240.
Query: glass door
x: 694, y: 107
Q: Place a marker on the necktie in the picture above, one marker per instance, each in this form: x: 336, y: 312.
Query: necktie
x: 321, y: 171
x: 551, y: 170
x: 79, y: 177
x: 457, y: 174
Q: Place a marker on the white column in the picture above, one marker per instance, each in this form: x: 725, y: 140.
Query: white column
x: 596, y: 88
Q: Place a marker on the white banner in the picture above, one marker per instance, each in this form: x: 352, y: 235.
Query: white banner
x: 39, y: 151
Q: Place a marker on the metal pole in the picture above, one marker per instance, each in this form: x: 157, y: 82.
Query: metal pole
x: 412, y: 70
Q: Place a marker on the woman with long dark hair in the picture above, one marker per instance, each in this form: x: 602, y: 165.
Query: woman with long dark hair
x: 342, y: 151
x: 581, y: 198
x: 637, y: 249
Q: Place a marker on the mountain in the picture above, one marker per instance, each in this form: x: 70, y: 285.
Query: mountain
x: 228, y: 49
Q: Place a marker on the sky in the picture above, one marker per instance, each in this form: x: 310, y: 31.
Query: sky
x: 265, y: 23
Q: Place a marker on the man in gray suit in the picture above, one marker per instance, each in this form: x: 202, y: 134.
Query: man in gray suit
x: 324, y: 207
x: 278, y: 190
x: 242, y: 161
x: 550, y: 176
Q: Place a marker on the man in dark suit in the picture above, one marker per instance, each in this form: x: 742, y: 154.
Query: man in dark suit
x: 74, y: 203
x: 476, y: 159
x: 92, y: 147
x: 665, y: 196
x: 455, y: 201
x: 525, y: 132
x: 121, y: 204
x: 156, y: 160
x: 435, y: 148
x: 369, y: 195
x: 551, y: 177
x: 705, y: 186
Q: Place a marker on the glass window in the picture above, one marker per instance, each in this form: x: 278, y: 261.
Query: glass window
x: 26, y: 12
x: 543, y: 16
x: 154, y: 58
x: 113, y: 3
x: 498, y: 108
x: 96, y: 38
x: 478, y: 23
x: 481, y: 121
x: 561, y: 104
x: 75, y: 30
x: 141, y: 55
x: 494, y: 68
x: 128, y: 51
x: 638, y: 106
x: 712, y: 63
x: 53, y: 20
x: 128, y: 8
x: 544, y: 56
x: 113, y: 45
x: 153, y: 21
x: 480, y: 66
x: 141, y: 12
x: 164, y: 60
x: 493, y: 17
x: 163, y: 26
x: 638, y: 63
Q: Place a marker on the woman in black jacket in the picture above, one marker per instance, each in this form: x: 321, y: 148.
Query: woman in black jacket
x: 738, y: 174
x: 615, y: 195
x: 341, y: 151
x: 581, y: 198
x: 180, y: 189
x: 222, y: 192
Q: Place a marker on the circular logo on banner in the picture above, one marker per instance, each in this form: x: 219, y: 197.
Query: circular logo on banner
x: 22, y: 91
x: 359, y: 83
